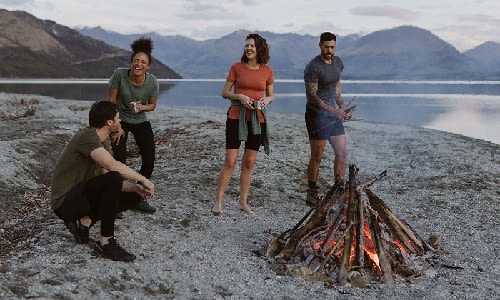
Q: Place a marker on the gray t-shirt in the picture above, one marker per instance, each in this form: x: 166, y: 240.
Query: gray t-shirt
x: 326, y: 76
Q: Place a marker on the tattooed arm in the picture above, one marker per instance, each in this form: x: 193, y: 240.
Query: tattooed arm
x: 314, y: 99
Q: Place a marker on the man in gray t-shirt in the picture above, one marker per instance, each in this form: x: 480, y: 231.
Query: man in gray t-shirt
x: 325, y: 113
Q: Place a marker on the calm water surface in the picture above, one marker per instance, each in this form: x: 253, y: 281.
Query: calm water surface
x: 470, y: 108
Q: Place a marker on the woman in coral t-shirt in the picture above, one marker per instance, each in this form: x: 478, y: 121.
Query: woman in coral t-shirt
x: 252, y: 83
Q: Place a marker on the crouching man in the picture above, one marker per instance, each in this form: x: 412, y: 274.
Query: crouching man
x: 89, y: 185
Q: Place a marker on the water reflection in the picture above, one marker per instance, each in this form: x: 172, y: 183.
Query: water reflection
x: 468, y: 108
x: 91, y: 91
x: 469, y: 120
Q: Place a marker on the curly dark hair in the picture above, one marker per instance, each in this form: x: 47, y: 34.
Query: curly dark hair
x: 262, y: 49
x: 142, y: 44
x: 100, y: 112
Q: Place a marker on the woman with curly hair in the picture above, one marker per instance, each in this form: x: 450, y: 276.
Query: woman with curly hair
x: 249, y: 87
x: 135, y: 91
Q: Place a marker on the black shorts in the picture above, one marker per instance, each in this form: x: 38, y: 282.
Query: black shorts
x: 322, y: 126
x: 253, y: 142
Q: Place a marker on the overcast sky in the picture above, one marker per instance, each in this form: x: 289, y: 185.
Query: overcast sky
x: 464, y: 24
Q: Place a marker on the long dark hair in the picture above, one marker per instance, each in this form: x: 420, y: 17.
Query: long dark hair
x: 142, y: 44
x: 262, y: 49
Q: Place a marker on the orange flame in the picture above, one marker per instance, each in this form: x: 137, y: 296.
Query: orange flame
x: 370, y: 246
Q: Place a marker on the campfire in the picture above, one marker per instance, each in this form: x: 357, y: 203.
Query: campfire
x: 351, y: 238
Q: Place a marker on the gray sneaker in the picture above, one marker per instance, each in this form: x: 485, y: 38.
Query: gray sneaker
x: 313, y: 197
x: 143, y: 206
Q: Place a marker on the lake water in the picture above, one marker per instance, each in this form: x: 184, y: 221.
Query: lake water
x: 470, y: 108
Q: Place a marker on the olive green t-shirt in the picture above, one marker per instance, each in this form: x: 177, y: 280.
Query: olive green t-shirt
x: 128, y: 92
x: 75, y: 164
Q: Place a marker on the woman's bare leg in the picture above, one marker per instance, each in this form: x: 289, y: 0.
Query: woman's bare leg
x: 247, y: 163
x: 224, y: 178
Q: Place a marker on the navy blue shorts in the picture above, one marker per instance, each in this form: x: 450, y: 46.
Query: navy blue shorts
x: 321, y: 126
x: 253, y: 142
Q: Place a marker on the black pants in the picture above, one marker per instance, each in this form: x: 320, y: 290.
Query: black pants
x: 100, y: 198
x: 143, y: 135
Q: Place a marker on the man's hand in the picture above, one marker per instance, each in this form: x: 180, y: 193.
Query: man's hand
x: 141, y: 191
x: 116, y: 136
x: 349, y: 111
x: 339, y: 113
x: 147, y: 188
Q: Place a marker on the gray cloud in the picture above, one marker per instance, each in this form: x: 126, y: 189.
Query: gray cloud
x: 469, y: 30
x: 203, y: 10
x: 16, y: 2
x: 249, y: 2
x: 386, y: 11
x: 479, y: 18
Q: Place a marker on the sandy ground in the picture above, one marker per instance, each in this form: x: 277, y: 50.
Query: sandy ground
x: 439, y: 183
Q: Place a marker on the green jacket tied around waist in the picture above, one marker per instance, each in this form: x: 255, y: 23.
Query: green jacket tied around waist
x: 254, y: 122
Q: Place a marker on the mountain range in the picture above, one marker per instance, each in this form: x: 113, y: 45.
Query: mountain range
x: 404, y: 52
x: 34, y: 48
x: 31, y: 47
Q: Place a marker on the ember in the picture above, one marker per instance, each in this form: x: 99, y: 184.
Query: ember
x: 350, y: 238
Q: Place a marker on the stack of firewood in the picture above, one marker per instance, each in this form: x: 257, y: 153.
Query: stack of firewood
x: 351, y: 237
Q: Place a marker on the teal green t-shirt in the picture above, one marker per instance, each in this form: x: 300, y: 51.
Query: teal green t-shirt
x: 75, y: 164
x: 128, y: 92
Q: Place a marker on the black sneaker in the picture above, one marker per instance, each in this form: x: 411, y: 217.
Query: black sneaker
x: 112, y: 251
x: 143, y: 206
x: 313, y: 197
x: 79, y: 232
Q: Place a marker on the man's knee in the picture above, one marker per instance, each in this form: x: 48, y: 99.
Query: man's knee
x: 316, y: 157
x: 114, y: 179
x: 341, y: 155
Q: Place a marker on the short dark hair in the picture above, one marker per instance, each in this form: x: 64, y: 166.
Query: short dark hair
x: 262, y: 49
x: 100, y: 112
x: 327, y: 36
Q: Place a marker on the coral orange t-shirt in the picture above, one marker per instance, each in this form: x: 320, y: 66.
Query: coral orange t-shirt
x: 249, y: 82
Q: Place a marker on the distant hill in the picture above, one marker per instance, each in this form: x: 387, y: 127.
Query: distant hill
x: 486, y: 56
x: 404, y: 52
x: 31, y: 48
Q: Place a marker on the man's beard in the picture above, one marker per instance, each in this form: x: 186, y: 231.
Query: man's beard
x: 327, y: 55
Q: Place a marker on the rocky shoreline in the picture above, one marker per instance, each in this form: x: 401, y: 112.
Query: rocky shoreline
x: 439, y: 183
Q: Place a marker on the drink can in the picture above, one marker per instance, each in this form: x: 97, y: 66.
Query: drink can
x: 134, y: 106
x: 256, y: 104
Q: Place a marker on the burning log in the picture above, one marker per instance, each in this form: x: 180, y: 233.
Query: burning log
x: 350, y: 239
x: 316, y: 220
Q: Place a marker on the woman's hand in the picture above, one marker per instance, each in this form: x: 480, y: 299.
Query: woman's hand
x: 265, y: 101
x: 246, y: 101
x: 141, y: 107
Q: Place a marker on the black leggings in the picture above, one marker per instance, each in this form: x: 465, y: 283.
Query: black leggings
x: 144, y: 138
x: 100, y: 198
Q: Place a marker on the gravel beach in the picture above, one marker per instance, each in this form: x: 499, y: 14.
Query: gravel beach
x: 439, y: 183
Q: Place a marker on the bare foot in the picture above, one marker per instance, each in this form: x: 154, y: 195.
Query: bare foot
x: 217, y: 210
x: 248, y: 210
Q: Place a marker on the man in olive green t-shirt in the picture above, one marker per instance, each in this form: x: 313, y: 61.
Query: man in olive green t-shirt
x: 88, y: 184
